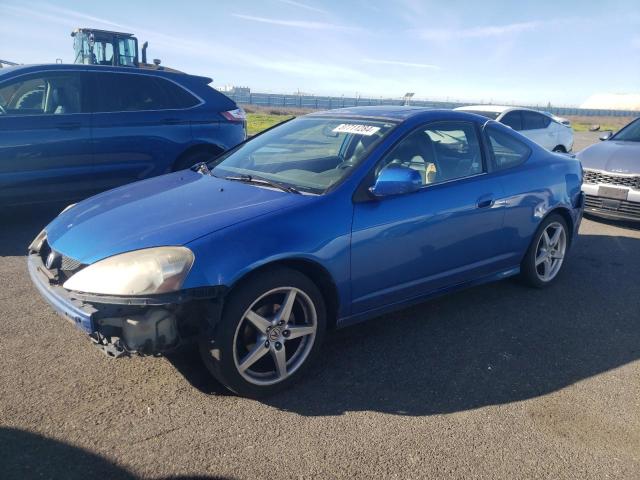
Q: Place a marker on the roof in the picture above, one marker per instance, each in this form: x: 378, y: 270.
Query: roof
x: 388, y: 112
x: 486, y: 108
x: 21, y: 69
x: 100, y: 32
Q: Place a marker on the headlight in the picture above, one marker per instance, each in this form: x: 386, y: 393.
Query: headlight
x: 141, y: 272
x: 36, y: 245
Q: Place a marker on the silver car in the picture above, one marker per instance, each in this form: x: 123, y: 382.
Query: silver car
x: 612, y: 174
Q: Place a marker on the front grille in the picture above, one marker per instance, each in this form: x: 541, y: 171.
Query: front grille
x: 595, y: 177
x: 622, y: 207
x: 64, y: 266
x: 69, y: 264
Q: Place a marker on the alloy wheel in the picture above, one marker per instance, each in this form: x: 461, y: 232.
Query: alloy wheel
x: 275, y: 336
x: 550, y: 251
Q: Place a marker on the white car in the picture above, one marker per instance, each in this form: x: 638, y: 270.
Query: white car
x: 539, y: 127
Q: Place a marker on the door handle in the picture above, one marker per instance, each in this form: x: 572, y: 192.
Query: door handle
x: 485, y: 201
x: 171, y: 121
x: 68, y: 126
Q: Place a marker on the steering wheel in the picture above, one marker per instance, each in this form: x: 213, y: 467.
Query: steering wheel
x: 2, y: 110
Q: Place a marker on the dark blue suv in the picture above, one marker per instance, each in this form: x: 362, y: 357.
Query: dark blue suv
x: 69, y: 131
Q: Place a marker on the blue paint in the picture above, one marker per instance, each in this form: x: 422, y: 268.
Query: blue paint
x: 51, y: 157
x: 380, y: 253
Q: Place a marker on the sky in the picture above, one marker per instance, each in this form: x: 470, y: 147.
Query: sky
x: 549, y: 51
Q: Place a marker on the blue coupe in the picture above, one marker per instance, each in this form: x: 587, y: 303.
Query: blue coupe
x: 320, y: 222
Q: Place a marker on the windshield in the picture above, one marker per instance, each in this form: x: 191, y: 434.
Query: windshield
x: 630, y: 133
x: 309, y: 154
x: 491, y: 115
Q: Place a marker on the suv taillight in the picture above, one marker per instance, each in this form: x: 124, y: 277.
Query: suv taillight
x: 236, y: 115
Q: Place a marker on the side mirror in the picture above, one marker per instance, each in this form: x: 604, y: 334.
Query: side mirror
x: 396, y: 180
x: 606, y: 136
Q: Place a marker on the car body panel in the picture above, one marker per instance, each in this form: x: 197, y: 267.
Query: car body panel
x: 612, y: 156
x: 58, y: 166
x: 171, y: 209
x: 425, y: 241
x: 65, y: 157
x: 377, y: 253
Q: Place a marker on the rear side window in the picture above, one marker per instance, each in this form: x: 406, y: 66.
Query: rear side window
x: 121, y: 92
x: 534, y: 121
x: 506, y: 150
x: 513, y: 120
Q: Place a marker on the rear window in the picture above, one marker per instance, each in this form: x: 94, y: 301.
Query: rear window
x: 121, y: 92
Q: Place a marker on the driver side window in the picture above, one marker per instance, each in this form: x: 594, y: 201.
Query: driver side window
x: 440, y: 152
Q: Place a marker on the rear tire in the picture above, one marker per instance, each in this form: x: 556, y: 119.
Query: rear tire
x: 545, y: 257
x: 270, y: 331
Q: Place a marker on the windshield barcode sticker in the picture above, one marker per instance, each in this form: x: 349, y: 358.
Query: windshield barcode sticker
x: 354, y: 128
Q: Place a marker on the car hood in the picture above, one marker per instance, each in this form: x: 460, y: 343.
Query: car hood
x: 612, y: 156
x: 172, y: 209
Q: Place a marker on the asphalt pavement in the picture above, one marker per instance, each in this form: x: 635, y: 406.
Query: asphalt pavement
x: 499, y: 381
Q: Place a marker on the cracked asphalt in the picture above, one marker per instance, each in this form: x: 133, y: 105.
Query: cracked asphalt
x: 499, y: 381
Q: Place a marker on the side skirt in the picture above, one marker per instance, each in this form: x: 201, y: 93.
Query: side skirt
x: 360, y: 317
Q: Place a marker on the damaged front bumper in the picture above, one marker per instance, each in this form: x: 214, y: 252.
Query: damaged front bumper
x: 125, y: 325
x: 77, y: 312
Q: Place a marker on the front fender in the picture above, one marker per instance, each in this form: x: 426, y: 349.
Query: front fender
x: 318, y: 233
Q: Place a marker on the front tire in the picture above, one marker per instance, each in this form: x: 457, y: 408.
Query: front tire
x: 545, y: 257
x: 271, y: 329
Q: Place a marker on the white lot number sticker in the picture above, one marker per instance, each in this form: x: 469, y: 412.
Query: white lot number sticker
x: 356, y: 129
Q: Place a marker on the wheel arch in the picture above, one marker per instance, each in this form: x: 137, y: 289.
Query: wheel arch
x: 565, y: 213
x: 316, y: 272
x: 213, y: 148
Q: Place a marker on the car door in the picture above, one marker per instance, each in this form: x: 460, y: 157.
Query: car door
x: 446, y: 233
x: 139, y: 126
x: 45, y: 138
x: 509, y: 157
x: 537, y: 127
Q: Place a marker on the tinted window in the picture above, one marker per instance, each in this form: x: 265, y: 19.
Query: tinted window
x: 507, y: 151
x: 534, y: 121
x: 513, y: 120
x: 630, y: 133
x: 54, y: 93
x: 118, y: 92
x: 440, y: 152
x: 179, y: 96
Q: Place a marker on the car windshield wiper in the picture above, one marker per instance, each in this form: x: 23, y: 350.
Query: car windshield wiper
x: 202, y: 168
x: 262, y: 181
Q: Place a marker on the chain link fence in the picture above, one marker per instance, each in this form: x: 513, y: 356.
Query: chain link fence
x: 327, y: 103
